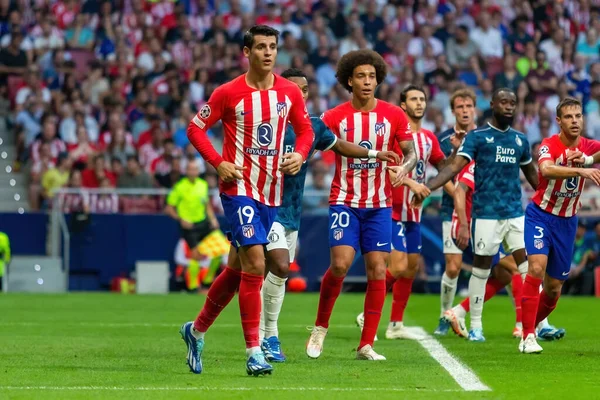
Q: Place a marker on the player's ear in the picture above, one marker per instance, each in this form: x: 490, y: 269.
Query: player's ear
x: 246, y: 51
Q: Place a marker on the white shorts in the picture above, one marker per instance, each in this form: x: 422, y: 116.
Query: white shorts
x: 489, y: 234
x: 449, y: 246
x: 282, y: 238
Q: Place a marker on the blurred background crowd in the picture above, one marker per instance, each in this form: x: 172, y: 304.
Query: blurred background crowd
x: 99, y: 93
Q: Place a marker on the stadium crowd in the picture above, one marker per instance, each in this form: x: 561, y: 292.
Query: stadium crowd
x: 99, y: 93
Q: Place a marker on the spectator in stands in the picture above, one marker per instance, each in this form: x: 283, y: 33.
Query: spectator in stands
x: 28, y: 121
x: 105, y: 202
x: 32, y: 85
x: 460, y: 49
x: 134, y: 176
x: 509, y: 77
x: 93, y: 176
x: 79, y: 35
x: 581, y: 276
x: 48, y: 136
x: 56, y: 177
x: 13, y: 60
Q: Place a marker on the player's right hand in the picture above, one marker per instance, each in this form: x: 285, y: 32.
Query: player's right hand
x: 421, y: 192
x: 399, y: 172
x: 592, y: 174
x: 576, y: 157
x: 457, y: 139
x: 462, y: 240
x: 292, y: 163
x: 229, y: 172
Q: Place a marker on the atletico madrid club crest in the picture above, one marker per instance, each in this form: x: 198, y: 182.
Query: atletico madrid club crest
x: 282, y: 109
x: 338, y: 234
x: 380, y: 129
x: 248, y: 231
x: 538, y: 243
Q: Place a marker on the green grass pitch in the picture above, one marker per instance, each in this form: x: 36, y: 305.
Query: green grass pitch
x: 109, y: 346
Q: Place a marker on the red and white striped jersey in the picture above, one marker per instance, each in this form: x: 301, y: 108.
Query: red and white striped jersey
x: 427, y: 148
x: 363, y: 183
x: 467, y: 177
x: 254, y: 124
x: 561, y: 196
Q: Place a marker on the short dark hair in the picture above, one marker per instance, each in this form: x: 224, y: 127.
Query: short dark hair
x: 407, y: 89
x: 293, y: 73
x: 500, y: 90
x: 353, y: 59
x: 567, y: 102
x: 263, y: 30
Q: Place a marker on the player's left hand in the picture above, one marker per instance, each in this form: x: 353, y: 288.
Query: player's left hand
x: 388, y: 156
x: 416, y: 202
x: 214, y: 224
x: 457, y: 139
x: 463, y: 237
x: 292, y: 162
x: 421, y: 192
x: 576, y: 157
x: 400, y: 174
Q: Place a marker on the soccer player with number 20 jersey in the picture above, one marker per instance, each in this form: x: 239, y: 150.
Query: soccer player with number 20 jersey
x: 254, y: 109
x: 360, y: 199
x: 550, y: 218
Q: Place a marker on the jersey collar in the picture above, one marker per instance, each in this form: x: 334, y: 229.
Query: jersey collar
x: 498, y: 129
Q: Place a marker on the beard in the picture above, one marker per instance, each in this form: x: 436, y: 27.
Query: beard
x: 415, y: 117
x: 504, y: 120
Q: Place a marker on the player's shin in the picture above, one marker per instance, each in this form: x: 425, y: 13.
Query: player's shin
x: 389, y: 280
x: 529, y: 303
x: 374, y: 300
x: 249, y: 300
x: 219, y: 295
x: 477, y: 285
x: 273, y: 291
x: 331, y: 286
x: 546, y: 305
x: 448, y: 291
x: 401, y: 293
x: 517, y: 294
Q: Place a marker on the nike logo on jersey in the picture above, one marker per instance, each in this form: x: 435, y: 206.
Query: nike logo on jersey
x: 245, y: 112
x: 381, y: 244
x: 489, y: 139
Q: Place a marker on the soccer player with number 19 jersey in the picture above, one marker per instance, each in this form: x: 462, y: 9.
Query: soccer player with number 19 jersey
x: 551, y: 218
x: 254, y: 109
x: 360, y: 199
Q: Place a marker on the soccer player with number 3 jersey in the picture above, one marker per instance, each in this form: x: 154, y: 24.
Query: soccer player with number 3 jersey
x: 551, y: 217
x: 254, y: 109
x: 500, y: 153
x: 360, y: 199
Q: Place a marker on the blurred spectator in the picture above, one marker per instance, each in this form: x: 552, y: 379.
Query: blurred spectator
x: 509, y: 77
x: 92, y: 177
x: 106, y: 202
x: 541, y: 80
x: 487, y: 38
x: 57, y: 177
x: 460, y: 49
x: 134, y: 176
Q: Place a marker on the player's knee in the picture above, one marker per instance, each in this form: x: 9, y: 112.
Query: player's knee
x: 255, y: 265
x: 452, y: 268
x: 279, y: 268
x: 376, y: 271
x: 553, y: 288
x: 339, y: 268
x: 536, y: 269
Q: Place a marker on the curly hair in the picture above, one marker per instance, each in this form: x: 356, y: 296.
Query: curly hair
x: 353, y: 59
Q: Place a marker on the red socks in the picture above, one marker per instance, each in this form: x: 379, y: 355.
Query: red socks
x: 492, y: 287
x: 401, y: 293
x: 219, y: 295
x: 529, y: 303
x: 250, y: 304
x: 374, y: 299
x: 545, y: 306
x: 389, y: 280
x: 517, y: 292
x: 331, y: 287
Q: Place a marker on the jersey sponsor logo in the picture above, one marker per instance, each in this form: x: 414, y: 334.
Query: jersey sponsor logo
x: 289, y: 149
x: 204, y: 111
x: 282, y: 109
x: 273, y: 237
x: 420, y: 170
x: 338, y: 234
x: 264, y: 138
x: 518, y: 141
x: 364, y: 164
x: 367, y: 145
x: 538, y: 244
x: 248, y: 231
x: 489, y: 139
x: 572, y: 183
x: 504, y: 155
x: 379, y: 128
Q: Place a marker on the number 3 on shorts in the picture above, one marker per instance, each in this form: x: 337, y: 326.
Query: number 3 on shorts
x: 343, y: 219
x: 540, y: 232
x: 247, y: 212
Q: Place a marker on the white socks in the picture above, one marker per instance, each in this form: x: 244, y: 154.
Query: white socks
x: 523, y: 267
x: 477, y: 283
x: 448, y: 291
x: 271, y: 295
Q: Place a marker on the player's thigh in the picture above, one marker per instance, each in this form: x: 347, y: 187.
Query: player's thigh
x: 563, y: 246
x: 486, y: 236
x: 507, y: 263
x: 453, y: 264
x: 344, y: 227
x: 398, y: 263
x: 450, y: 246
x: 514, y: 238
x: 376, y: 230
x: 249, y: 220
x: 277, y: 238
x: 278, y: 262
x: 501, y: 273
x: 342, y: 257
x: 233, y: 260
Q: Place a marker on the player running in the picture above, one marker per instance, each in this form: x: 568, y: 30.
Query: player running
x: 283, y: 235
x: 254, y: 109
x: 462, y: 104
x: 551, y: 217
x: 360, y: 199
x: 499, y: 152
x: 505, y: 271
x: 406, y: 219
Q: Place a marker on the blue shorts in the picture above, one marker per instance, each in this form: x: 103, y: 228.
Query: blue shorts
x: 553, y: 236
x: 406, y: 237
x: 249, y: 220
x: 364, y: 229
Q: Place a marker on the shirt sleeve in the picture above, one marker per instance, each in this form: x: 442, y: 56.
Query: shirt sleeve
x: 526, y: 155
x: 437, y: 155
x: 467, y: 175
x: 545, y: 152
x: 208, y: 115
x: 468, y: 148
x: 403, y: 133
x: 324, y: 138
x: 328, y: 119
x: 592, y: 147
x: 300, y: 121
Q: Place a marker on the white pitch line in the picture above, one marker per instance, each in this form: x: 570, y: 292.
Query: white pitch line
x: 462, y: 374
x: 151, y: 325
x: 221, y: 389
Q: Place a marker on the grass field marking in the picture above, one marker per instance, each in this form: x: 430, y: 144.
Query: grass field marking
x: 219, y: 389
x: 156, y: 325
x: 462, y: 374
